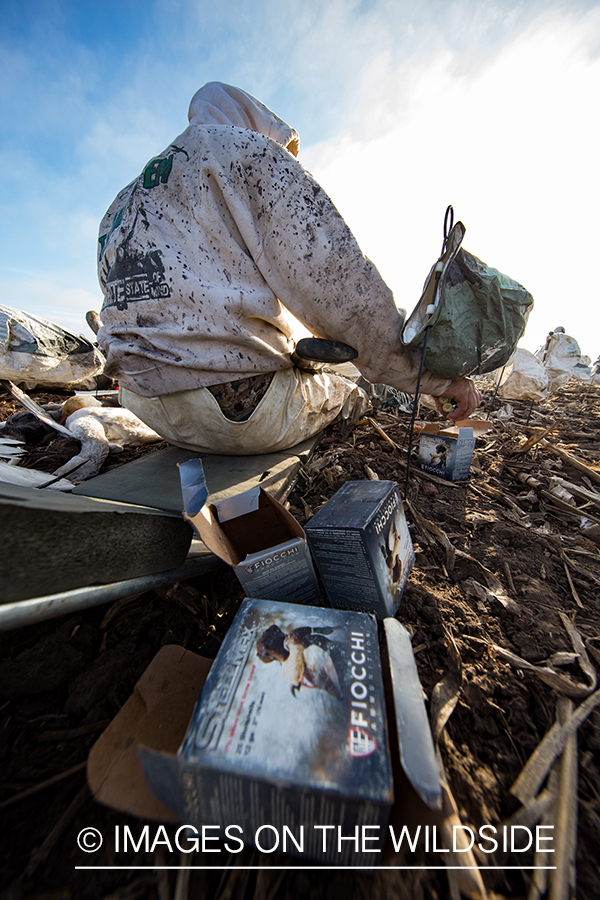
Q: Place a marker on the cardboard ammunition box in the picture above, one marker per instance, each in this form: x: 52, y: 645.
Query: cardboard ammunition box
x: 289, y: 732
x: 362, y: 547
x: 447, y: 450
x: 254, y: 534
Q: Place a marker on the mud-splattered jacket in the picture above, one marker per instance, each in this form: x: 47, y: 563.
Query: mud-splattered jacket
x: 203, y: 258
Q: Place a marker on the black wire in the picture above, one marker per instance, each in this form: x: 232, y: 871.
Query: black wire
x: 530, y: 411
x: 448, y: 225
x: 415, y: 403
x: 491, y: 406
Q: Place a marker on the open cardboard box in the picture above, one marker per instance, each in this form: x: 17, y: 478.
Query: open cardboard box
x: 447, y: 450
x: 289, y: 731
x: 255, y: 535
x: 157, y: 715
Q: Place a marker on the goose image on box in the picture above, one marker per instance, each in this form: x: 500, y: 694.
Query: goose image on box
x: 304, y: 655
x: 392, y: 557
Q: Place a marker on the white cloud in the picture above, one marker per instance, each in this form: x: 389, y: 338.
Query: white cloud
x: 509, y: 139
x: 489, y: 106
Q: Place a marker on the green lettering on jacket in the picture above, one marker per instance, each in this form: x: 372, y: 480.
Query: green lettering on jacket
x: 158, y: 171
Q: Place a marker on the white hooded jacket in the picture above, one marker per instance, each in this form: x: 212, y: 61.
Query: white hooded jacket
x: 224, y: 241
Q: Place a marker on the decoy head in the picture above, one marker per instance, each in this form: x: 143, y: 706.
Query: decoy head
x: 78, y: 401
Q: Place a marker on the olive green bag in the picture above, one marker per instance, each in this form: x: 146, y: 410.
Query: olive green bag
x: 470, y: 317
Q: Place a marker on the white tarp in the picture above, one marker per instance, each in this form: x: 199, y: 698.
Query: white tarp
x: 560, y: 356
x: 524, y: 378
x: 36, y: 351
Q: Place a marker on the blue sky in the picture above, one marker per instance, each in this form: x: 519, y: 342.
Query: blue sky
x: 402, y: 106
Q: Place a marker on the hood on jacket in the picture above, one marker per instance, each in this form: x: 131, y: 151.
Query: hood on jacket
x: 221, y: 104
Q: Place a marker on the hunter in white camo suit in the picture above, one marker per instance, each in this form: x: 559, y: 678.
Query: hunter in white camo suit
x: 208, y: 261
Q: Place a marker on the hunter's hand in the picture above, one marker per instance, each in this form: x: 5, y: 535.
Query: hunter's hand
x: 465, y: 395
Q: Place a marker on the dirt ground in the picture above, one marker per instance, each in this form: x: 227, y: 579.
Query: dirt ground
x: 502, y: 567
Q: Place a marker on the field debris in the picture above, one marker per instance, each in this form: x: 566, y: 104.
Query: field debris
x: 502, y: 606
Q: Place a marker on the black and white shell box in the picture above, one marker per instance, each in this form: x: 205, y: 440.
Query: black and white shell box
x: 362, y: 547
x: 287, y: 747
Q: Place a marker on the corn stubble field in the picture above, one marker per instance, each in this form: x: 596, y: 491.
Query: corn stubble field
x: 502, y: 606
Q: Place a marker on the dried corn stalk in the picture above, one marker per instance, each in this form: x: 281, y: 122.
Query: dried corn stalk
x: 550, y: 747
x: 562, y: 879
x: 562, y: 684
